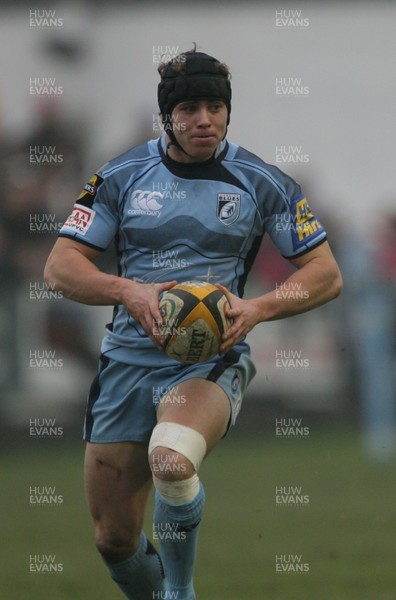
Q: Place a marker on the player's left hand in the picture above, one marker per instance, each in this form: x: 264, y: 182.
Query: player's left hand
x: 245, y: 315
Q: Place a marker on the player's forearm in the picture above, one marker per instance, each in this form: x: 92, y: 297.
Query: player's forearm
x: 80, y: 280
x: 309, y: 287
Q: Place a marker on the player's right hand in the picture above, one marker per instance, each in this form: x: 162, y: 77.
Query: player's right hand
x: 142, y: 302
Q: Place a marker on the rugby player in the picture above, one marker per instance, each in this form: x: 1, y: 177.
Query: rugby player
x: 206, y: 202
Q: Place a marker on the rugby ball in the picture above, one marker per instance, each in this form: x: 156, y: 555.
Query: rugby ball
x: 193, y: 321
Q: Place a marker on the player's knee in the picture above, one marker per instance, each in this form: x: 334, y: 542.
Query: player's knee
x: 175, y: 451
x: 169, y: 465
x: 175, y: 455
x: 116, y: 546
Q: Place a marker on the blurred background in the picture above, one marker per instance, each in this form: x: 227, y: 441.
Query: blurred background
x: 314, y: 93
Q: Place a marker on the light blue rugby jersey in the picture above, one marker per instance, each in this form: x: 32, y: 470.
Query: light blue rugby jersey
x: 182, y: 221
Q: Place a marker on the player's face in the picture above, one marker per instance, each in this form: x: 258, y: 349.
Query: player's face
x: 199, y: 126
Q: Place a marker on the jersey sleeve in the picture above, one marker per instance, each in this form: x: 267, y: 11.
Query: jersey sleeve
x: 289, y: 220
x: 283, y: 208
x: 94, y: 219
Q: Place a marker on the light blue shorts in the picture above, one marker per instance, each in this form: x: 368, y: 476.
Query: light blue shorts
x: 123, y: 399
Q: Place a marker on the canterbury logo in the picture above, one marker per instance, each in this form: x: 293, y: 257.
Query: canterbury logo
x: 142, y: 200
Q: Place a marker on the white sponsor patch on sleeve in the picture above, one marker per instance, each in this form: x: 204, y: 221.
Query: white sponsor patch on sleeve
x: 80, y: 219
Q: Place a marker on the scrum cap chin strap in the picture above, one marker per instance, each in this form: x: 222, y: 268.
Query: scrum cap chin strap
x: 198, y: 79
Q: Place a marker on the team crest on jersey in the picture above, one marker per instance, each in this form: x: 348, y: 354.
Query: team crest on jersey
x: 89, y: 190
x: 228, y: 207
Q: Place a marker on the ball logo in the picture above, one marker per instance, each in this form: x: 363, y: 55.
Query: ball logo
x: 168, y: 309
x: 228, y: 207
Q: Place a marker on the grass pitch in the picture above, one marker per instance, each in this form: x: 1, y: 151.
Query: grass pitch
x: 343, y: 534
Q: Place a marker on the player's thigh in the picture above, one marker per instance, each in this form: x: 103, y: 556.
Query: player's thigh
x: 200, y: 404
x: 117, y: 483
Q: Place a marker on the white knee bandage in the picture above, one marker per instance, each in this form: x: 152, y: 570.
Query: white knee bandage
x: 179, y: 438
x: 177, y: 492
